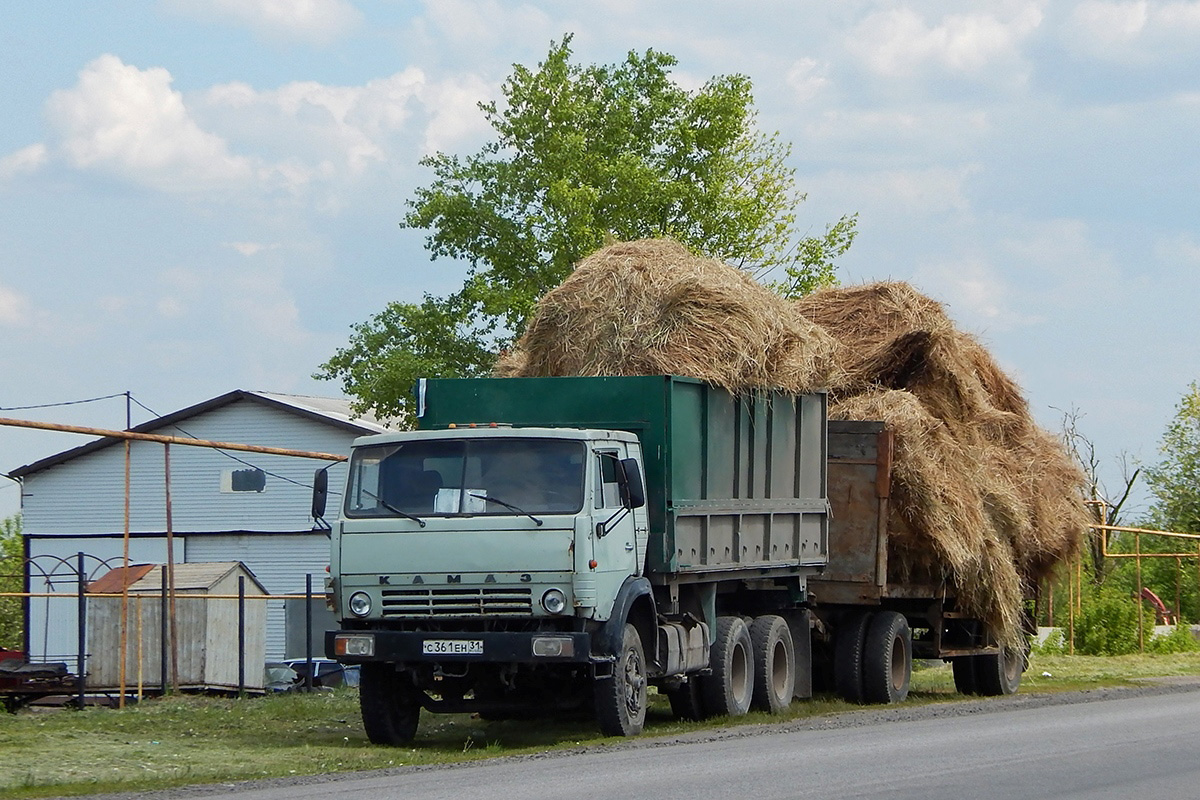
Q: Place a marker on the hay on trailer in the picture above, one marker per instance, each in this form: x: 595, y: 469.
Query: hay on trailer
x: 940, y: 525
x: 652, y: 307
x: 981, y: 493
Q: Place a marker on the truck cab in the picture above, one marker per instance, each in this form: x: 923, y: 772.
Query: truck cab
x: 481, y: 561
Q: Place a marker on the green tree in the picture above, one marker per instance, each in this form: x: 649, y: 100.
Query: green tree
x: 12, y: 562
x: 583, y: 156
x: 1175, y: 480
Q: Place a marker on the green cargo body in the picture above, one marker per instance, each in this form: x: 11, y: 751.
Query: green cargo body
x: 736, y: 485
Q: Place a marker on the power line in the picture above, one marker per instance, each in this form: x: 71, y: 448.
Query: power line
x: 67, y: 403
x: 223, y: 452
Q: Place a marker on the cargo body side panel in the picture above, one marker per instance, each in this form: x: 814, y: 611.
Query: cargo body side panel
x: 733, y: 482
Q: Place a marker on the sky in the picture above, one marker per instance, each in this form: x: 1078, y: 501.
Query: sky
x: 198, y: 196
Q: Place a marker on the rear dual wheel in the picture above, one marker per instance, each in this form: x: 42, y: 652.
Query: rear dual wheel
x: 990, y: 675
x: 729, y: 689
x: 872, y: 657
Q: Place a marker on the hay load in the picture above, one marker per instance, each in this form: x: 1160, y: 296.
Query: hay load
x: 651, y: 307
x: 981, y: 496
x: 981, y: 491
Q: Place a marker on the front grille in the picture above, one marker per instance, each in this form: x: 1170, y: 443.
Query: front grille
x: 458, y: 602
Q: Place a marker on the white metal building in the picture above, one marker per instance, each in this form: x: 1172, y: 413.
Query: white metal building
x: 225, y: 506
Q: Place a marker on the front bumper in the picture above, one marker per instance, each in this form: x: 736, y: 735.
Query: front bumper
x: 357, y: 647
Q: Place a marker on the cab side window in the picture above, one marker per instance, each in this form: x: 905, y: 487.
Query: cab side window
x: 607, y: 493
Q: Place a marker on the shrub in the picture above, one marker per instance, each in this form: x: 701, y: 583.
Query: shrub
x: 1108, y: 625
x: 1179, y: 640
x: 1055, y: 644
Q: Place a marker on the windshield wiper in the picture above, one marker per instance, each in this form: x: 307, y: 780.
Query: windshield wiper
x: 509, y: 506
x: 391, y: 507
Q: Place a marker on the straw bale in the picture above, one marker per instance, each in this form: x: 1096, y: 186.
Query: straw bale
x: 941, y: 527
x: 982, y: 494
x: 651, y: 307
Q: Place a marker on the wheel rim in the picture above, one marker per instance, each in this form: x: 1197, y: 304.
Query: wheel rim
x: 1012, y: 665
x: 899, y: 661
x: 739, y: 674
x: 634, y: 683
x: 779, y: 670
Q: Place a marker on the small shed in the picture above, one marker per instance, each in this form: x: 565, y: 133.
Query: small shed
x: 206, y: 624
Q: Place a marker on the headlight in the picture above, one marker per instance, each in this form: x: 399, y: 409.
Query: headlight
x: 360, y: 604
x: 554, y: 601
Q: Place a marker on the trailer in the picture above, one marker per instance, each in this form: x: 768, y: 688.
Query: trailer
x: 858, y: 608
x: 551, y: 545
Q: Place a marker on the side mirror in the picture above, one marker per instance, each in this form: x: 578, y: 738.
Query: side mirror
x: 629, y: 482
x: 320, y: 494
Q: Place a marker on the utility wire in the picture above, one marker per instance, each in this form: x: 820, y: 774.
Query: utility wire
x: 66, y: 403
x: 226, y: 453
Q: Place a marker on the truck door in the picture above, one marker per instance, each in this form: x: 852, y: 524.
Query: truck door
x: 614, y: 536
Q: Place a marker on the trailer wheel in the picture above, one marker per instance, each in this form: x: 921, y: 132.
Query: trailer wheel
x: 999, y: 673
x: 849, y: 643
x: 887, y: 659
x: 730, y: 688
x: 621, y: 699
x: 390, y: 707
x: 964, y: 675
x: 686, y: 702
x: 774, y: 663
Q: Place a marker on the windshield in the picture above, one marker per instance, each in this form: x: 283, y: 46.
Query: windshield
x: 453, y: 477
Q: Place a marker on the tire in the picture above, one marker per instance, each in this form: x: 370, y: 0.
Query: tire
x: 999, y: 673
x: 621, y: 699
x: 964, y: 675
x: 774, y: 664
x: 390, y: 708
x: 850, y: 641
x: 887, y: 659
x: 727, y: 692
x: 686, y: 702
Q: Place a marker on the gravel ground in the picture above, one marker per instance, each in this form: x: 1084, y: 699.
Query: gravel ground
x: 849, y: 719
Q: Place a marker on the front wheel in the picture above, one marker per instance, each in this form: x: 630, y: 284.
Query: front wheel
x: 621, y: 699
x: 390, y: 707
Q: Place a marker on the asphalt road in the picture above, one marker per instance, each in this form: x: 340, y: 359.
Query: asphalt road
x: 1115, y: 744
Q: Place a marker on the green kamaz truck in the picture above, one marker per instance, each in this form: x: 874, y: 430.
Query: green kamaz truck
x: 556, y: 545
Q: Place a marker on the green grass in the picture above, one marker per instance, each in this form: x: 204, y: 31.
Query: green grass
x: 187, y: 739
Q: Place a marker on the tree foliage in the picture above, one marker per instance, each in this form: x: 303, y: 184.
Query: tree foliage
x: 1175, y: 480
x: 12, y: 563
x: 582, y: 156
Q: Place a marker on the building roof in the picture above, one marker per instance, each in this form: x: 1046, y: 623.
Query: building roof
x: 191, y: 576
x: 327, y: 410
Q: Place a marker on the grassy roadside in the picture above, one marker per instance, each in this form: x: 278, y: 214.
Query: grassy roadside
x: 185, y: 740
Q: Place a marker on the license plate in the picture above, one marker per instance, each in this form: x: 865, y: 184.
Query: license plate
x: 452, y: 647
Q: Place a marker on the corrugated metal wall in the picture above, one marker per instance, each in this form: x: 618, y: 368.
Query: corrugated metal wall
x: 54, y: 621
x: 279, y: 561
x: 87, y: 494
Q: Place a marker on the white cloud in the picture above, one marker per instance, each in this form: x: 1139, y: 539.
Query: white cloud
x: 316, y: 21
x: 129, y: 121
x: 328, y: 131
x: 807, y: 78
x: 27, y: 159
x: 975, y: 292
x: 249, y: 248
x: 14, y: 308
x: 899, y: 43
x: 470, y: 24
x: 1133, y: 32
